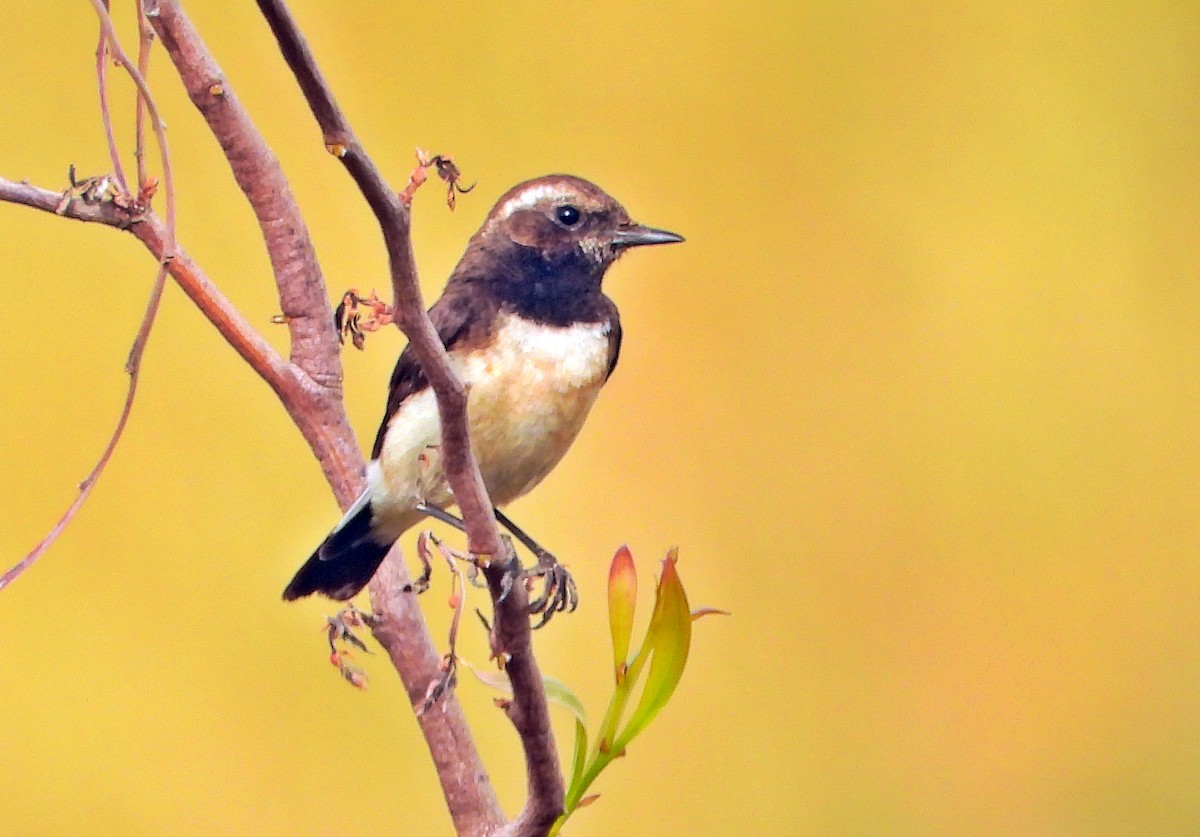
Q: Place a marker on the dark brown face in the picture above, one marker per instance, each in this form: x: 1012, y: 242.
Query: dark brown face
x: 547, y: 243
x: 564, y: 218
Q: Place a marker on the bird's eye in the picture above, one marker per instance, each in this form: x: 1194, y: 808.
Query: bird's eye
x: 567, y: 215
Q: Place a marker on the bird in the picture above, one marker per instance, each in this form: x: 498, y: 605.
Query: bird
x: 529, y: 329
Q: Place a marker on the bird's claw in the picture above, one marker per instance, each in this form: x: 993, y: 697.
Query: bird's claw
x: 559, y: 592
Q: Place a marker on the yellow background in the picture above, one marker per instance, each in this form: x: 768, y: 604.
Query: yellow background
x: 918, y: 400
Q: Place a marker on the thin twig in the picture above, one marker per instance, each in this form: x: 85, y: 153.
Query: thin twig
x: 114, y: 155
x: 145, y: 40
x: 319, y: 419
x: 109, y: 44
x: 152, y: 232
x: 133, y: 366
x: 35, y: 197
x: 160, y: 131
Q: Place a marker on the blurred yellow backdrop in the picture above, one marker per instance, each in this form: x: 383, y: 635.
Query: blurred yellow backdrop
x: 918, y: 401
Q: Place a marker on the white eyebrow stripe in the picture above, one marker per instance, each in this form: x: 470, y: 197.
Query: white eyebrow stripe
x: 531, y: 197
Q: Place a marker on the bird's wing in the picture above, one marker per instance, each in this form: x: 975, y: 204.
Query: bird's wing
x: 614, y: 340
x: 461, y: 319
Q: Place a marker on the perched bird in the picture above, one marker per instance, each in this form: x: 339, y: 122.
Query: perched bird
x: 528, y: 328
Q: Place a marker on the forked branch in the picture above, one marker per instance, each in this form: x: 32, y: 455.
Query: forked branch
x: 309, y: 385
x: 512, y: 637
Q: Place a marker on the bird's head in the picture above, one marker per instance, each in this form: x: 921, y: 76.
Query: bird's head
x: 546, y: 244
x: 557, y: 226
x: 567, y: 218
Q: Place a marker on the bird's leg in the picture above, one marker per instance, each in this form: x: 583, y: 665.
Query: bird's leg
x: 442, y: 515
x: 559, y: 592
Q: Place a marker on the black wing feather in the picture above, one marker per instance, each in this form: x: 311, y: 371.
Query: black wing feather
x: 614, y: 340
x: 462, y: 319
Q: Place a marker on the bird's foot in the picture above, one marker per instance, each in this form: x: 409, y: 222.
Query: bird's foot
x: 559, y: 592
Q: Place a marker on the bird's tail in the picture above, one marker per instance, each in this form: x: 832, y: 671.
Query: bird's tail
x: 345, y: 561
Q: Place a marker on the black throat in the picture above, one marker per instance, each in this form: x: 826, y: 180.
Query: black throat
x: 553, y: 288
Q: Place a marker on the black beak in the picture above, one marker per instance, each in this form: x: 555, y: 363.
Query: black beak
x: 635, y: 235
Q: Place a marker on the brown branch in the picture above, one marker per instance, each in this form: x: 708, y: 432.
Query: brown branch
x: 152, y: 232
x: 100, y: 212
x: 512, y: 638
x: 312, y: 391
x: 319, y: 417
x: 308, y: 404
x: 529, y: 710
x: 393, y: 217
x: 302, y: 295
x: 399, y: 625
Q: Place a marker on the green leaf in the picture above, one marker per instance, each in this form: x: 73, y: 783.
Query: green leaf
x: 622, y: 602
x: 579, y: 760
x: 669, y: 638
x: 560, y: 693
